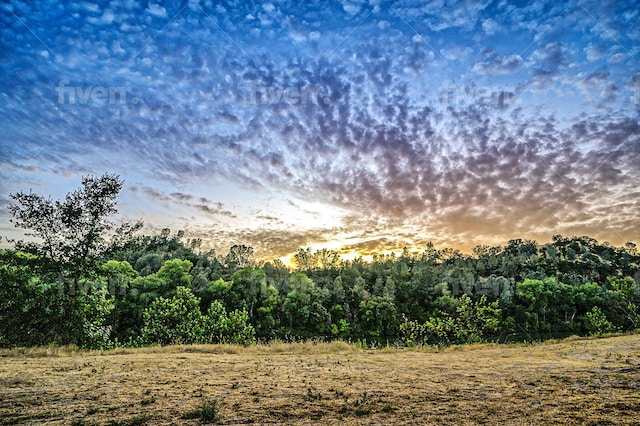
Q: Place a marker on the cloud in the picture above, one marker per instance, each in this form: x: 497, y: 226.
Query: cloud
x: 456, y: 53
x: 351, y: 7
x: 490, y: 26
x: 496, y: 65
x: 549, y: 57
x: 157, y: 10
x: 441, y: 16
x: 599, y: 88
x: 180, y: 196
x: 594, y: 52
x: 268, y: 243
x: 152, y: 193
x: 403, y: 120
x: 617, y: 58
x: 374, y: 246
x: 217, y: 210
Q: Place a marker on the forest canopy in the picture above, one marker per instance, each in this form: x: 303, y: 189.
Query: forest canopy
x: 95, y: 283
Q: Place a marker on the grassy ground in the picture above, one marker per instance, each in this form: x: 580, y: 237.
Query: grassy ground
x: 574, y: 381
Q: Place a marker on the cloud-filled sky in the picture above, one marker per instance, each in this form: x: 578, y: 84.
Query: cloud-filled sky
x: 359, y: 126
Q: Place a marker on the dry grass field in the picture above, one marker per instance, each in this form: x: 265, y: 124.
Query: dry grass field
x: 574, y: 381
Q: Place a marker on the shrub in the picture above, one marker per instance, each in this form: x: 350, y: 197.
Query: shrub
x: 597, y: 322
x: 177, y: 320
x: 207, y: 411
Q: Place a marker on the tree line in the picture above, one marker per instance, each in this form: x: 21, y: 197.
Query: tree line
x: 95, y: 283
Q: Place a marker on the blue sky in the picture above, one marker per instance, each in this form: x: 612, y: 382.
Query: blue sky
x: 359, y: 126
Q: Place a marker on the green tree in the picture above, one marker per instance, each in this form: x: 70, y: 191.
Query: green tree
x: 533, y: 298
x: 379, y: 318
x: 304, y: 259
x: 266, y: 316
x: 96, y: 322
x: 239, y: 257
x: 475, y: 321
x: 119, y: 276
x: 233, y: 328
x: 239, y: 330
x: 303, y: 309
x: 74, y: 235
x: 624, y: 298
x: 32, y: 310
x: 177, y: 320
x: 597, y: 322
x: 149, y: 263
x: 248, y: 283
x: 176, y: 273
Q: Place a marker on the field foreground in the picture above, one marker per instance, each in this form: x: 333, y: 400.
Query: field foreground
x: 580, y: 381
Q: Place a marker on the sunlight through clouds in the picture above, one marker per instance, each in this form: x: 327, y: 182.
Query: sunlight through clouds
x: 281, y: 125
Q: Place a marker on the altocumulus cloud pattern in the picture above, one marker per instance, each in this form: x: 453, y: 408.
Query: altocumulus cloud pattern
x: 365, y: 125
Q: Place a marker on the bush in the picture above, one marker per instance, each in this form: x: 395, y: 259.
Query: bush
x: 238, y: 329
x: 178, y: 320
x: 96, y: 330
x: 174, y: 321
x: 34, y: 311
x: 208, y: 411
x: 233, y: 328
x: 597, y: 322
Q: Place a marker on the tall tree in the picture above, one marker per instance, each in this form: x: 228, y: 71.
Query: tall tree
x: 75, y: 234
x: 239, y: 257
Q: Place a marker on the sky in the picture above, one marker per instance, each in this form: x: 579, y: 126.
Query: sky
x: 358, y: 126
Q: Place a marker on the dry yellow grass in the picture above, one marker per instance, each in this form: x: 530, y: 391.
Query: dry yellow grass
x: 575, y: 381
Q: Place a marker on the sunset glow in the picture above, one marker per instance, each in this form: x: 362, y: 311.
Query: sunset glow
x: 357, y: 126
